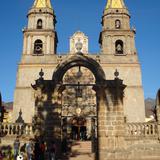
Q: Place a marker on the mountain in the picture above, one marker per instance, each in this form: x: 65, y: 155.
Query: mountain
x: 8, y: 105
x: 149, y: 107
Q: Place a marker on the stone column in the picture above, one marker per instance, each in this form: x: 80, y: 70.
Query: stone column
x: 28, y: 45
x: 111, y: 126
x: 115, y: 122
x: 101, y: 109
x: 25, y: 44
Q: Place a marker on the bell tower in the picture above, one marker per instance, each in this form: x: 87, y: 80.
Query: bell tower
x: 40, y: 37
x: 117, y: 37
x: 118, y: 51
x: 39, y: 51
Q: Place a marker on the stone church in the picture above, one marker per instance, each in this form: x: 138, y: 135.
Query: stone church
x: 96, y: 102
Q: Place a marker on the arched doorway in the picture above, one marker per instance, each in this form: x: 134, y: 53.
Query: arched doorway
x: 79, y: 106
x: 82, y: 82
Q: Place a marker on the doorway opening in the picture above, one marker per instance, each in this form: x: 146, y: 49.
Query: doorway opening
x: 79, y: 107
x: 78, y: 129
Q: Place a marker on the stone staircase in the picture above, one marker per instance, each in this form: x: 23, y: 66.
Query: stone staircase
x: 81, y: 150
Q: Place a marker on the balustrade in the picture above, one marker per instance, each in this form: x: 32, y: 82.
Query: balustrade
x: 141, y: 129
x: 132, y: 129
x: 15, y: 129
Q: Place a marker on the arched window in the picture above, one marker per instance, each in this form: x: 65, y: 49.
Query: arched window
x: 38, y: 47
x: 39, y: 24
x: 119, y: 47
x: 117, y: 24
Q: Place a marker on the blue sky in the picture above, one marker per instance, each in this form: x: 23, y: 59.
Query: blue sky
x: 84, y: 15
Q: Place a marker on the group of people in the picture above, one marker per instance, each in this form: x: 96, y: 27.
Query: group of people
x: 43, y: 151
x: 33, y: 150
x: 79, y: 133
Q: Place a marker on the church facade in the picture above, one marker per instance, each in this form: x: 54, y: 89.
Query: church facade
x: 83, y: 97
x: 118, y: 52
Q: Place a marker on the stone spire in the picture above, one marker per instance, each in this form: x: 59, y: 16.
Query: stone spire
x: 111, y: 4
x: 42, y: 4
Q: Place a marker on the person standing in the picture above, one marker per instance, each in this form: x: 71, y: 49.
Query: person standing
x: 53, y: 149
x: 29, y: 150
x: 16, y: 146
x: 42, y: 150
x: 1, y: 156
x: 64, y: 146
x: 37, y: 149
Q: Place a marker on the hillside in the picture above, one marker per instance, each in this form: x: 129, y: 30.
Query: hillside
x: 8, y: 105
x: 149, y: 106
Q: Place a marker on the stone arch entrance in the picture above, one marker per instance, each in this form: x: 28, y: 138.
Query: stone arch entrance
x: 81, y: 132
x: 49, y: 120
x: 79, y: 76
x: 79, y: 60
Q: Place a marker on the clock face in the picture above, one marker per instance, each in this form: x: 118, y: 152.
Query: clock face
x: 78, y: 111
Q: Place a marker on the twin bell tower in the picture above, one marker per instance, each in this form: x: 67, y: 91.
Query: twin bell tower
x: 117, y: 53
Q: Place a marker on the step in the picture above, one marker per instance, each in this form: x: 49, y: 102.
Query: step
x: 82, y: 147
x: 80, y: 150
x: 86, y: 144
x: 82, y: 157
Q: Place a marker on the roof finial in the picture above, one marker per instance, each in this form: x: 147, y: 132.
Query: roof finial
x: 116, y: 73
x: 42, y: 4
x: 115, y: 4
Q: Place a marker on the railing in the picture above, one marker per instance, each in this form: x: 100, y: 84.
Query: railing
x: 15, y: 129
x: 142, y: 129
x: 132, y: 129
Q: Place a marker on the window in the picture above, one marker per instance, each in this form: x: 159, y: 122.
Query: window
x: 119, y: 47
x: 117, y: 24
x: 38, y: 47
x: 39, y: 24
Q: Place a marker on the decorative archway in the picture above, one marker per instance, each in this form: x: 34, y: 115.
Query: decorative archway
x: 109, y: 96
x: 79, y: 60
x: 79, y: 104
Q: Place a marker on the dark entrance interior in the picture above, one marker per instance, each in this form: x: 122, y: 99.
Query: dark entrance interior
x: 78, y: 129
